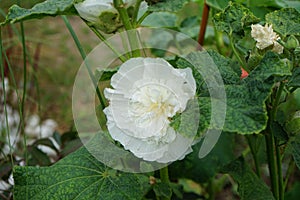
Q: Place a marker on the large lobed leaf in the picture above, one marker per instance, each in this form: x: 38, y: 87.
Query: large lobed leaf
x: 78, y: 176
x: 245, y: 99
x: 40, y: 10
x: 168, y: 5
x: 285, y: 21
x: 250, y: 186
x: 234, y: 19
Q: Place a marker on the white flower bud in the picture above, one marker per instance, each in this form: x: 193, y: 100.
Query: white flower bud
x: 101, y: 13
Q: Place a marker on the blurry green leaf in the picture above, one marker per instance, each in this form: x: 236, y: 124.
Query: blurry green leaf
x: 285, y: 21
x: 37, y: 157
x: 163, y: 190
x: 168, y: 5
x: 57, y: 137
x: 201, y: 170
x: 293, y: 125
x: 5, y: 169
x: 190, y: 26
x: 78, y: 176
x: 295, y: 144
x: 294, y: 193
x: 69, y: 136
x: 250, y: 186
x: 234, y: 19
x: 40, y: 10
x: 287, y: 109
x: 70, y: 147
x: 160, y: 19
x: 268, y: 3
x: 217, y: 3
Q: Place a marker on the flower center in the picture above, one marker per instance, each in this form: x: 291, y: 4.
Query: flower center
x: 152, y: 103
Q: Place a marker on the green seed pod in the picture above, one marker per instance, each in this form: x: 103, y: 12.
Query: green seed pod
x: 291, y: 42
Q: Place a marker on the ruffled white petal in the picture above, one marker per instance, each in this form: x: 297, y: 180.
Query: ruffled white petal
x: 147, y: 93
x: 265, y: 37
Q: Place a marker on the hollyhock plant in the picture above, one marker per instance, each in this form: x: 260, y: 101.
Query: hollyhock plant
x: 146, y: 93
x: 265, y: 37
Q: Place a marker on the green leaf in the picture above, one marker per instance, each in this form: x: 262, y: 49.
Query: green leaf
x: 294, y: 193
x: 220, y: 5
x: 163, y: 190
x: 40, y: 10
x: 201, y: 170
x: 234, y: 19
x: 78, y: 176
x: 294, y: 81
x: 295, y: 144
x: 245, y: 99
x: 250, y: 186
x: 160, y: 19
x: 105, y: 74
x: 168, y: 5
x: 37, y: 157
x: 285, y: 21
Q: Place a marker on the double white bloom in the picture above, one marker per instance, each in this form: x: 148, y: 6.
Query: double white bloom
x: 265, y: 37
x: 147, y: 93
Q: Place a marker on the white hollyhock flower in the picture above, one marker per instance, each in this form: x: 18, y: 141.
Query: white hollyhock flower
x: 146, y: 93
x: 265, y: 37
x: 101, y: 13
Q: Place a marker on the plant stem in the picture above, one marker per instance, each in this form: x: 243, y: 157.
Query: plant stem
x: 132, y: 37
x: 211, y: 189
x: 272, y: 163
x: 289, y: 172
x: 279, y: 168
x: 254, y: 155
x: 136, y: 11
x: 203, y: 25
x: 83, y: 55
x: 241, y: 61
x: 274, y: 157
x: 103, y: 39
x: 164, y: 177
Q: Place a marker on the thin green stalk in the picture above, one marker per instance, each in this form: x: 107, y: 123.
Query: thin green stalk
x: 273, y: 151
x: 103, y: 39
x: 141, y: 19
x: 164, y: 177
x: 277, y: 149
x: 279, y: 168
x: 254, y: 155
x: 83, y: 55
x: 241, y: 61
x: 211, y: 189
x: 289, y: 172
x: 136, y: 11
x: 24, y: 66
x: 132, y: 37
x: 272, y: 163
x: 4, y: 99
